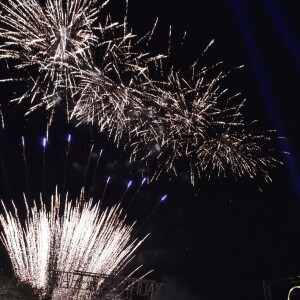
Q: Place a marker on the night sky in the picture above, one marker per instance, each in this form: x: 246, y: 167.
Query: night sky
x: 223, y: 237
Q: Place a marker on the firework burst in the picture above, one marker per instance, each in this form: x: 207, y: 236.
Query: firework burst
x: 197, y: 129
x: 237, y: 152
x: 46, y: 41
x: 168, y: 122
x: 117, y: 94
x: 178, y: 125
x: 69, y: 238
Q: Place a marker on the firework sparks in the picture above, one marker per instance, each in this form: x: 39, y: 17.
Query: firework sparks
x: 1, y: 119
x: 79, y: 237
x: 197, y: 129
x: 179, y: 125
x: 168, y: 122
x: 239, y: 153
x: 47, y: 40
x: 115, y: 94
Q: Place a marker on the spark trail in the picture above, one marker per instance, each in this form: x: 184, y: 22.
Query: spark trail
x: 26, y: 168
x: 67, y: 158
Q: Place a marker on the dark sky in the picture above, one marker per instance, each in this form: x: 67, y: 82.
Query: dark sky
x: 221, y: 239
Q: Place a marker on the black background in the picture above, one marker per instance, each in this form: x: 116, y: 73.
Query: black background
x: 220, y: 239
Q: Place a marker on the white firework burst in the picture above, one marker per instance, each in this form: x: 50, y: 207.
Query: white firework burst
x: 68, y: 237
x: 237, y: 152
x: 47, y: 40
x: 116, y: 94
x: 167, y: 121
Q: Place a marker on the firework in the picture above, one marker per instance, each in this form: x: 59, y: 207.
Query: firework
x: 237, y: 153
x: 168, y: 122
x: 116, y: 94
x: 53, y: 42
x: 66, y: 238
x: 46, y: 41
x: 1, y: 118
x: 198, y: 130
x: 179, y: 125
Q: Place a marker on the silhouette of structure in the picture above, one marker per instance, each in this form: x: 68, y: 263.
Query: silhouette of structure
x: 106, y: 287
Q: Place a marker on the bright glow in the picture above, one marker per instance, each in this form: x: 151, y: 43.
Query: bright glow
x: 81, y: 238
x: 163, y: 198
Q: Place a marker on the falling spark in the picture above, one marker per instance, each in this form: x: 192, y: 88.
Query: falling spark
x: 87, y: 165
x: 1, y: 119
x: 26, y: 167
x: 67, y: 158
x: 44, y: 142
x: 23, y: 143
x: 163, y: 198
x: 67, y: 237
x: 97, y: 166
x: 193, y: 113
x: 127, y: 188
x: 135, y: 193
x: 105, y: 188
x: 44, y: 166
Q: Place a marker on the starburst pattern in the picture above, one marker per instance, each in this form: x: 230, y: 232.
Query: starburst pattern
x: 68, y: 237
x: 46, y: 41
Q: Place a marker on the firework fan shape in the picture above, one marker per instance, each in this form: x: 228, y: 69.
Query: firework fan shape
x: 66, y: 238
x: 53, y: 37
